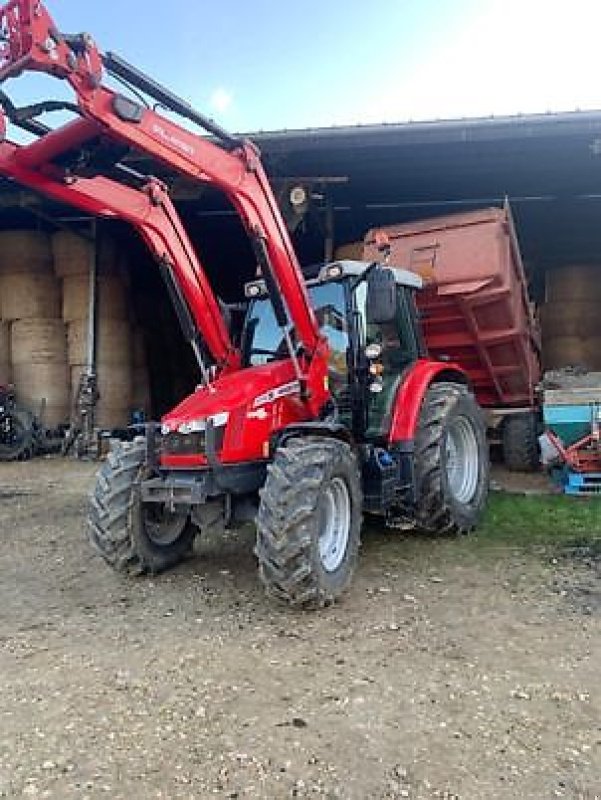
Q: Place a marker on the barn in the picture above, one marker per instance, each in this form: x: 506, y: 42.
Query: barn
x: 333, y: 184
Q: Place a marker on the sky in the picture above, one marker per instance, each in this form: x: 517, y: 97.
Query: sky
x: 271, y: 64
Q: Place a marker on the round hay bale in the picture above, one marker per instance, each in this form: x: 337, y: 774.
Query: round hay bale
x: 352, y: 251
x: 141, y: 398
x: 25, y: 251
x: 38, y: 341
x: 112, y: 298
x: 4, y: 342
x: 110, y: 257
x: 36, y: 383
x: 109, y: 418
x: 29, y: 296
x: 113, y: 342
x: 565, y: 351
x: 77, y: 338
x: 579, y: 319
x: 6, y: 373
x: 72, y: 254
x: 114, y: 394
x: 593, y: 346
x: 114, y: 386
x: 574, y: 282
x: 76, y: 296
x: 140, y: 354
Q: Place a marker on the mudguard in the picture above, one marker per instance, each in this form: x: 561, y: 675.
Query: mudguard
x: 411, y: 393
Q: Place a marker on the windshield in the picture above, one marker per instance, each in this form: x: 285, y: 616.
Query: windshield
x: 263, y: 339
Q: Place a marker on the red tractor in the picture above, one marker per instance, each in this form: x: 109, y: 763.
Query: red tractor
x: 329, y: 407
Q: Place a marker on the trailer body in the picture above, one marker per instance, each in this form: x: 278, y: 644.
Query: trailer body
x: 475, y: 308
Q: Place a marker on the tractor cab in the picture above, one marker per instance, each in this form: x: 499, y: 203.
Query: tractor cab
x: 369, y: 317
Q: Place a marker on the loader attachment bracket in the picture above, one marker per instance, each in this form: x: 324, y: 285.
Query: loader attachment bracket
x: 29, y: 40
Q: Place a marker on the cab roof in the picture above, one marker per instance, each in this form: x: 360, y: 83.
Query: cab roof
x: 335, y: 271
x: 403, y: 277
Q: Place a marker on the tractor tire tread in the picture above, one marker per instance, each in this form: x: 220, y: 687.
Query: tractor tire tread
x: 288, y: 502
x: 434, y: 514
x: 111, y: 510
x: 520, y: 443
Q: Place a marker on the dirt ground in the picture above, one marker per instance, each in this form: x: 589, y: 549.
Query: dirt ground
x: 449, y: 671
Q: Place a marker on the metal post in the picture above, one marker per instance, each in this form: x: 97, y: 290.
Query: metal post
x: 88, y: 394
x: 329, y: 231
x: 83, y: 413
x: 92, y: 300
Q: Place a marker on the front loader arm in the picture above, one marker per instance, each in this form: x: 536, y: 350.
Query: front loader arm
x: 32, y: 42
x: 151, y: 212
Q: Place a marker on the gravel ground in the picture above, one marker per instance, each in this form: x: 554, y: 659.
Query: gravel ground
x: 449, y: 671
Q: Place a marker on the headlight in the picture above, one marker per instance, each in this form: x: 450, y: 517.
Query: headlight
x: 200, y: 425
x: 193, y: 426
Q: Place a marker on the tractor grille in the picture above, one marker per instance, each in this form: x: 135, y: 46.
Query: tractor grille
x: 183, y: 444
x: 186, y: 444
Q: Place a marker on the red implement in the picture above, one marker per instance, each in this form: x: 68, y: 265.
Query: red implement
x: 475, y: 307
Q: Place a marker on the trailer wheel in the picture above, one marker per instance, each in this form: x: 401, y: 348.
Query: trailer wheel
x: 132, y: 537
x: 21, y: 443
x: 451, y: 461
x: 520, y: 442
x: 309, y: 521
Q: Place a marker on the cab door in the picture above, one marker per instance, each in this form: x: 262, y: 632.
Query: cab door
x: 401, y: 345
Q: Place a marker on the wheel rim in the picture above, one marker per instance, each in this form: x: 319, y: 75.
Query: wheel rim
x: 163, y: 527
x: 462, y: 460
x: 336, y: 522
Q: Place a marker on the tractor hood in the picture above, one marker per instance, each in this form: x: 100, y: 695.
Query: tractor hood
x: 244, y: 409
x: 251, y: 388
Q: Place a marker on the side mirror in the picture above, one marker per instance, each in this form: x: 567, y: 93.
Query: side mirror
x: 381, y: 303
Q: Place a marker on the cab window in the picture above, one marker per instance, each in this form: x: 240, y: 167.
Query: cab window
x: 263, y: 341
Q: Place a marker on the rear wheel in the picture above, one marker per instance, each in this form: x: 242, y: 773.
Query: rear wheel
x: 17, y: 440
x: 309, y: 521
x: 131, y: 536
x: 451, y: 461
x: 520, y: 442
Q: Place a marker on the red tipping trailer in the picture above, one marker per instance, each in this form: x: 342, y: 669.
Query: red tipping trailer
x: 475, y: 306
x: 476, y: 312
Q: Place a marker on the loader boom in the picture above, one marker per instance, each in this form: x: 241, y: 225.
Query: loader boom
x: 30, y: 41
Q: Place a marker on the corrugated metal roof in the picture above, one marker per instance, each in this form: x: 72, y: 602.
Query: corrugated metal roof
x: 518, y: 123
x: 548, y: 165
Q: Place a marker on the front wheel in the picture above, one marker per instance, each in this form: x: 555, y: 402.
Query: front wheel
x: 309, y: 521
x: 131, y: 536
x: 451, y: 461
